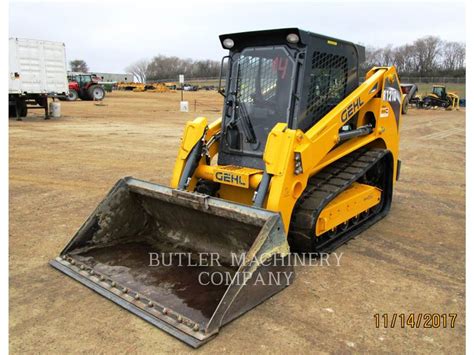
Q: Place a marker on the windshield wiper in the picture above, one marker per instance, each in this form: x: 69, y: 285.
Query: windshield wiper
x: 240, y: 113
x: 247, y: 126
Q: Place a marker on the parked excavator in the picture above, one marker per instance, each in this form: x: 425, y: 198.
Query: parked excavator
x: 303, y: 159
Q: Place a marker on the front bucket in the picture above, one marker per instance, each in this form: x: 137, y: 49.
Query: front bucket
x: 185, y: 262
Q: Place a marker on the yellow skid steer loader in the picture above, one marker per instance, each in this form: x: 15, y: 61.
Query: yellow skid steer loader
x: 303, y: 158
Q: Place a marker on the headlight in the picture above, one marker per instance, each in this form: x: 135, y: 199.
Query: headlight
x: 292, y: 38
x: 228, y: 43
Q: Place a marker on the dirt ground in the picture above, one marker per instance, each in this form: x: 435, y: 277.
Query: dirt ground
x: 413, y: 261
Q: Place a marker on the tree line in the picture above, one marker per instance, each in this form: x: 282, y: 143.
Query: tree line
x: 426, y: 56
x: 162, y: 67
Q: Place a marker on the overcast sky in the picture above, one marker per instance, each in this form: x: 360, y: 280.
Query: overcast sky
x: 111, y: 35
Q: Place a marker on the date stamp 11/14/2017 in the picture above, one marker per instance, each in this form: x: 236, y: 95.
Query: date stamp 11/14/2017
x: 415, y: 320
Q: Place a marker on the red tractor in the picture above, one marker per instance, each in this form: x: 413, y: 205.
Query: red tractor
x: 85, y: 87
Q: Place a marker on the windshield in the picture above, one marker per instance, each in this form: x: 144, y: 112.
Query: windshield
x: 261, y: 86
x: 439, y: 91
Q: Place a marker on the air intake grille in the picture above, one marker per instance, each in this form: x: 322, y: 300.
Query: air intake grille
x: 328, y: 84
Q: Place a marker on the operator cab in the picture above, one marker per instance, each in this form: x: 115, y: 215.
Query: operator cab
x: 83, y: 79
x: 284, y: 75
x: 439, y: 91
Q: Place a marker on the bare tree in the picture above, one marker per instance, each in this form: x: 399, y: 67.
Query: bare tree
x: 427, y: 51
x: 449, y: 55
x: 403, y: 58
x: 387, y: 55
x: 454, y: 55
x: 79, y: 65
x: 460, y: 56
x: 139, y: 69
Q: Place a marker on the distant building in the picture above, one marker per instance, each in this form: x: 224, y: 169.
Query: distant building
x: 126, y: 78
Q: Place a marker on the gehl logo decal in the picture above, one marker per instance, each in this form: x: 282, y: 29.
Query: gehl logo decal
x: 230, y: 178
x: 351, y: 109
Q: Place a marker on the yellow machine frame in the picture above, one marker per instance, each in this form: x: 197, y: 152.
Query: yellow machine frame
x: 316, y: 148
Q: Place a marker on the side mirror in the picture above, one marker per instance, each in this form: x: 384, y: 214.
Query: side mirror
x: 224, y: 68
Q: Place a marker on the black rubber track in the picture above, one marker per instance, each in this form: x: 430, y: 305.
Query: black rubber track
x: 362, y: 165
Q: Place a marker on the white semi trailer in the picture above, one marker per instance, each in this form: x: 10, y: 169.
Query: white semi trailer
x: 37, y: 70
